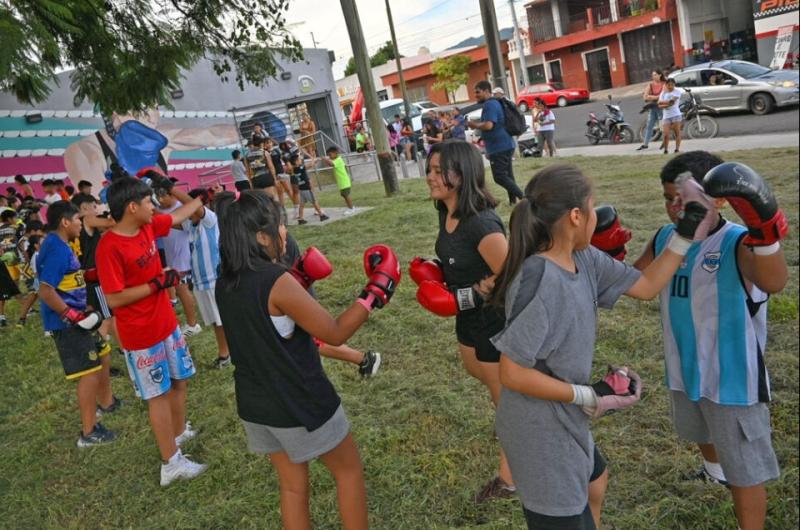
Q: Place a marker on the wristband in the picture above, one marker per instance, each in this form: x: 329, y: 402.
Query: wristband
x: 367, y: 302
x: 583, y: 396
x: 679, y: 245
x: 768, y: 250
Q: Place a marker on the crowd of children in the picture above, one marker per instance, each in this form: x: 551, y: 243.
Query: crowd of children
x: 525, y: 307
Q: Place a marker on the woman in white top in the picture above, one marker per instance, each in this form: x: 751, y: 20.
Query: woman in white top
x: 668, y: 102
x: 545, y: 122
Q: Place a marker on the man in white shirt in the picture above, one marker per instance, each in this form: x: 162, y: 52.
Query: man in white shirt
x: 50, y: 195
x: 669, y: 102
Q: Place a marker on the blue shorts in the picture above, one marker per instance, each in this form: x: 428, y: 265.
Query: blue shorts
x: 153, y: 369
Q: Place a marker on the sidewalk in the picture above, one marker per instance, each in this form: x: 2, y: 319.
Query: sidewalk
x: 619, y: 93
x: 733, y: 143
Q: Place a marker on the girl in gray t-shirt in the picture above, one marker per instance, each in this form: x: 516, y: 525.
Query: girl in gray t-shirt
x: 551, y: 285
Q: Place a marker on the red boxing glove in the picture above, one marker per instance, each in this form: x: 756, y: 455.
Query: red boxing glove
x: 751, y: 198
x: 383, y: 269
x: 422, y: 269
x: 609, y: 236
x: 90, y: 275
x: 311, y: 266
x: 168, y: 278
x: 75, y: 317
x: 435, y: 297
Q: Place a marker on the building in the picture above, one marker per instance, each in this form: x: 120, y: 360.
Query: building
x: 56, y: 139
x: 420, y: 80
x: 347, y: 87
x: 769, y: 16
x: 601, y: 44
x: 534, y: 63
x: 712, y: 30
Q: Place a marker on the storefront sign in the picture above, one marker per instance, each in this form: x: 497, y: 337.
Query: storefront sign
x: 768, y: 8
x: 782, y: 44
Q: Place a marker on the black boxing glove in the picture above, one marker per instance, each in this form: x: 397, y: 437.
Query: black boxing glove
x: 751, y: 198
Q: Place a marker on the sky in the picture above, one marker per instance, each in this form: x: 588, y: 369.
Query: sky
x: 435, y: 24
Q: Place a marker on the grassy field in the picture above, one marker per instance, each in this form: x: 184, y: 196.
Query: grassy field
x: 424, y: 427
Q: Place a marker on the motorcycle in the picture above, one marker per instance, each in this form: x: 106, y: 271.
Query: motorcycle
x: 612, y: 127
x: 696, y: 125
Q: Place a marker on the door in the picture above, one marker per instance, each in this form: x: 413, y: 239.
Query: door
x: 647, y: 49
x: 555, y: 72
x: 719, y: 89
x: 320, y: 114
x: 599, y: 70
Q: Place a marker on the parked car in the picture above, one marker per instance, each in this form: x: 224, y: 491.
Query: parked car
x: 740, y: 85
x: 390, y: 107
x: 425, y: 105
x: 552, y: 94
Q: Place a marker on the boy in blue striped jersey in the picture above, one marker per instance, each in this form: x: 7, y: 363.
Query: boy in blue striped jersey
x: 714, y: 316
x: 203, y: 230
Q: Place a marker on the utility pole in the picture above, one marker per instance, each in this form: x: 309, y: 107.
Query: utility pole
x: 374, y: 116
x: 314, y: 41
x: 496, y: 64
x: 523, y: 62
x: 406, y: 102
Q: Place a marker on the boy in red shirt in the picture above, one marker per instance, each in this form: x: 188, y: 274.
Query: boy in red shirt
x: 136, y: 286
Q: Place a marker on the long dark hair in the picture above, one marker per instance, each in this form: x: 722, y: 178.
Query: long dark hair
x: 550, y: 194
x: 240, y: 219
x: 463, y: 160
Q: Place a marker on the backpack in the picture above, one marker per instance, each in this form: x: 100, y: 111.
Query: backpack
x: 515, y: 121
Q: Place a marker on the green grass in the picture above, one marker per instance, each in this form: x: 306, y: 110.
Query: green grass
x: 423, y: 425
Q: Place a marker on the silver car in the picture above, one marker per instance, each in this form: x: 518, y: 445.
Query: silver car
x: 740, y: 85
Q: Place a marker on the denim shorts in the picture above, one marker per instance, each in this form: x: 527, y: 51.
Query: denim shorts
x: 668, y: 121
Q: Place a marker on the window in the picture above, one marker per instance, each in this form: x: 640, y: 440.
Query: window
x: 747, y: 70
x: 715, y: 77
x: 686, y: 79
x: 418, y: 93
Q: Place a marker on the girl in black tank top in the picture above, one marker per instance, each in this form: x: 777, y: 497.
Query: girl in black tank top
x: 270, y: 319
x: 471, y: 248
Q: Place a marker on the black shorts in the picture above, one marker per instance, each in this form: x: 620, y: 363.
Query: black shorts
x: 8, y: 287
x: 474, y: 329
x: 242, y: 185
x: 344, y: 192
x: 582, y: 521
x: 77, y: 351
x: 293, y: 180
x: 97, y: 300
x: 263, y: 181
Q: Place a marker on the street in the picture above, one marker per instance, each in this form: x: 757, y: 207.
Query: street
x: 571, y: 121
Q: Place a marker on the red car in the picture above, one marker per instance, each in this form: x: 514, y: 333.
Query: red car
x: 552, y: 95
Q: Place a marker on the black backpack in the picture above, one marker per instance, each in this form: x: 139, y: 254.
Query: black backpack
x: 515, y: 121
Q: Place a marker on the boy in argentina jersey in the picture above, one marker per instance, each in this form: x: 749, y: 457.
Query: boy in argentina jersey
x: 714, y: 316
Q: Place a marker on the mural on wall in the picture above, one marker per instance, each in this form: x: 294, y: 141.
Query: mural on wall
x: 90, y: 157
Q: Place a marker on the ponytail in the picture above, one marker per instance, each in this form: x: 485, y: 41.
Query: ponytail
x: 549, y: 195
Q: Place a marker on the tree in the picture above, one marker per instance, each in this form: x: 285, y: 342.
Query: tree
x: 451, y: 73
x: 383, y: 55
x: 128, y: 55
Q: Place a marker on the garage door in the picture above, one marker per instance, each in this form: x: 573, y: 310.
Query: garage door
x: 647, y: 49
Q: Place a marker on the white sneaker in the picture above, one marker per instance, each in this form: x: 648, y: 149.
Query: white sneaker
x: 180, y: 466
x: 186, y: 435
x: 191, y: 331
x: 349, y: 211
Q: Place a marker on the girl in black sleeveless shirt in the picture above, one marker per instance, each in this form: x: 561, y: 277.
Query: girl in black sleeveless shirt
x: 287, y: 405
x: 471, y: 248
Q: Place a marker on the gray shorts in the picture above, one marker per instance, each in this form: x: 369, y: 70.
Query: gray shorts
x: 306, y: 197
x: 740, y: 434
x: 300, y: 444
x: 668, y: 121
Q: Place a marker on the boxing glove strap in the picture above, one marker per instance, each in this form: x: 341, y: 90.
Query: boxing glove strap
x: 768, y: 250
x: 679, y: 245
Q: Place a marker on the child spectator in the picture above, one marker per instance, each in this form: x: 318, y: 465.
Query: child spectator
x: 306, y: 194
x: 50, y: 195
x: 22, y: 182
x: 8, y: 257
x: 178, y: 256
x: 33, y: 229
x: 135, y: 286
x: 64, y: 314
x: 240, y: 177
x: 342, y: 177
x: 85, y: 187
x: 203, y: 232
